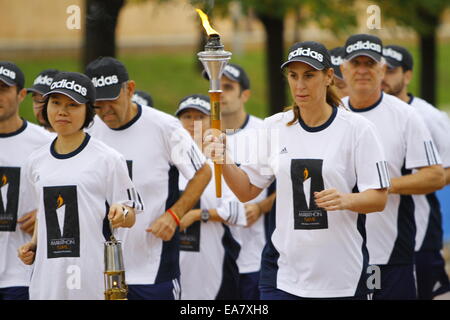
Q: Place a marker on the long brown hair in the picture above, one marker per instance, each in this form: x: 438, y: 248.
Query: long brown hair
x: 332, y: 99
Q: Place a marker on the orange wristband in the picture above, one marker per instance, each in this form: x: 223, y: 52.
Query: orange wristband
x: 174, y: 216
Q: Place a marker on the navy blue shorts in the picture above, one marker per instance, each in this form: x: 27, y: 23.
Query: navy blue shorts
x: 270, y: 293
x: 397, y: 283
x: 169, y: 290
x: 248, y: 286
x: 14, y: 293
x: 432, y: 280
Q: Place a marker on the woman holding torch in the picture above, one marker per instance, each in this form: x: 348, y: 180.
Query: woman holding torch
x: 330, y: 171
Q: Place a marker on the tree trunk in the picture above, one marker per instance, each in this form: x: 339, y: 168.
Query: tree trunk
x: 274, y: 28
x: 428, y: 61
x: 100, y: 31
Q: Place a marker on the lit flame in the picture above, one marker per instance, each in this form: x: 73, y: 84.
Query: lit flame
x: 205, y: 23
x: 305, y: 174
x: 4, y: 180
x: 59, y: 202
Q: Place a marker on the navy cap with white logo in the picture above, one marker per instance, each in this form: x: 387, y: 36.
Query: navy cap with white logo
x: 363, y: 45
x: 337, y: 55
x: 143, y: 98
x: 195, y: 101
x: 235, y: 73
x: 313, y: 53
x: 397, y: 56
x: 43, y: 81
x: 107, y: 75
x: 76, y: 86
x: 11, y: 74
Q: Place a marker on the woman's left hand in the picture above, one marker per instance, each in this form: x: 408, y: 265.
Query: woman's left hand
x: 331, y: 200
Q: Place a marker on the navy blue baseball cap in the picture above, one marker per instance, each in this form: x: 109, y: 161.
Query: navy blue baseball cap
x: 337, y: 55
x: 363, y: 45
x: 198, y: 102
x: 43, y: 81
x: 107, y: 75
x: 397, y: 56
x: 311, y: 52
x: 11, y: 74
x: 76, y: 86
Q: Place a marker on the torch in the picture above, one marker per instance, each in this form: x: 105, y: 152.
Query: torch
x: 115, y: 286
x: 214, y: 60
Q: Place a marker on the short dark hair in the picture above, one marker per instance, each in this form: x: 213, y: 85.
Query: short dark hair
x: 90, y: 113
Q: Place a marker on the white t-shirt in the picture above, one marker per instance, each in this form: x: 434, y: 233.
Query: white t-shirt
x: 75, y: 191
x: 15, y: 200
x: 241, y: 145
x: 156, y: 148
x: 313, y: 253
x: 429, y: 235
x: 408, y: 145
x: 208, y: 251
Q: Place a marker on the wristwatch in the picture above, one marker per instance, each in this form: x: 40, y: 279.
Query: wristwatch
x: 204, y: 216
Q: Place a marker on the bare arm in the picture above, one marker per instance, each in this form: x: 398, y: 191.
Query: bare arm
x: 424, y: 181
x: 447, y: 176
x: 372, y: 200
x: 195, y: 215
x: 27, y: 252
x: 164, y: 227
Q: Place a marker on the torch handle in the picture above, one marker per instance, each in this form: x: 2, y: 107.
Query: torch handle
x: 215, y: 124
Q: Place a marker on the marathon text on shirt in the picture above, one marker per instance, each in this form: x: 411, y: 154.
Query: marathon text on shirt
x: 306, y: 176
x: 62, y: 221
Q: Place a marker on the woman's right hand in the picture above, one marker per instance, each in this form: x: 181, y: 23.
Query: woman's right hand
x: 214, y: 147
x: 27, y: 253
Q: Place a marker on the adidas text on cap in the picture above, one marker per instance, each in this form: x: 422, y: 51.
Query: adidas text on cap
x: 363, y: 45
x: 11, y: 74
x: 336, y: 56
x: 234, y: 73
x: 397, y: 56
x: 107, y: 75
x: 76, y: 86
x: 195, y: 101
x: 43, y: 81
x: 310, y: 52
x: 142, y: 98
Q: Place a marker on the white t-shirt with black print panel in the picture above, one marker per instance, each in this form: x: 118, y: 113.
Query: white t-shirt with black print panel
x: 15, y: 200
x: 408, y: 145
x: 314, y: 253
x: 74, y: 192
x: 157, y: 149
x: 240, y: 144
x: 208, y: 251
x: 429, y: 235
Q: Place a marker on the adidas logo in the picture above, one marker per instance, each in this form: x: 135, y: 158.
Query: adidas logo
x: 393, y: 54
x: 45, y: 80
x: 234, y: 72
x: 139, y: 100
x: 336, y: 61
x: 105, y: 81
x: 69, y: 85
x: 284, y: 150
x: 8, y: 73
x: 307, y: 53
x: 195, y: 102
x: 367, y: 45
